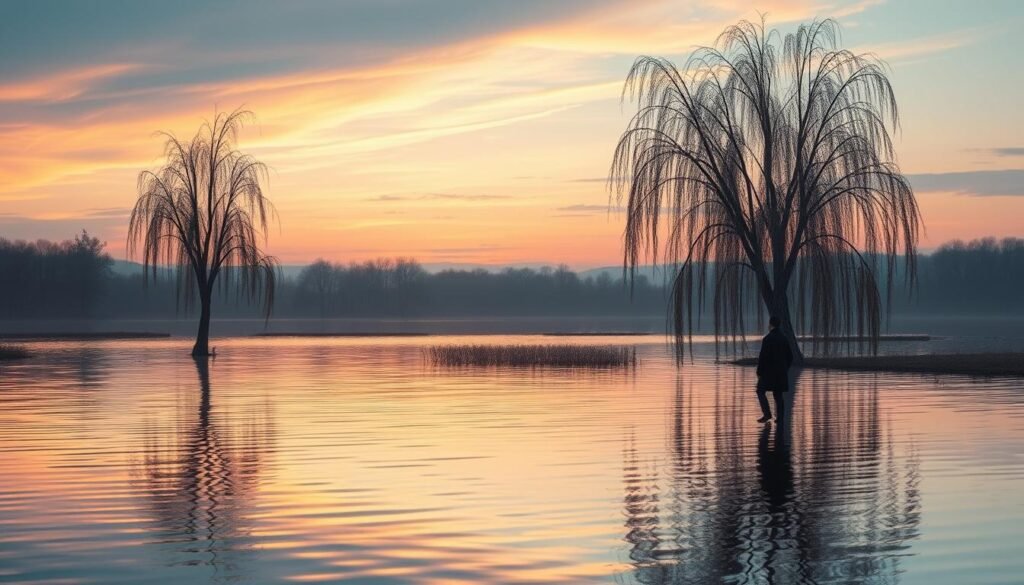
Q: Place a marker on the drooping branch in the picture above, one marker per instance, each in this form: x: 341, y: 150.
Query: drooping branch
x: 786, y: 141
x: 205, y: 214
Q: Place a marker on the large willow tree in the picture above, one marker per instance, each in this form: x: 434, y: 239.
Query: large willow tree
x: 764, y: 171
x: 205, y: 213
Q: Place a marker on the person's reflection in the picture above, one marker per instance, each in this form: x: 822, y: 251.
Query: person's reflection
x: 822, y: 497
x: 775, y: 471
x: 200, y: 488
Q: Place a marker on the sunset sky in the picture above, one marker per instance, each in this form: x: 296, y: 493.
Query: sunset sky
x: 468, y: 131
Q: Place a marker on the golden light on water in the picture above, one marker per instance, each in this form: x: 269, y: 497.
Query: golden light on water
x: 320, y: 460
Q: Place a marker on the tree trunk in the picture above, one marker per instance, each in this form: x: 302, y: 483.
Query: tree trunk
x: 779, y: 307
x: 778, y: 304
x: 202, y: 346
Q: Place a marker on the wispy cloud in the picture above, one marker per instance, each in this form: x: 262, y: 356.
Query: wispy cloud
x: 1008, y: 182
x: 63, y: 85
x: 1005, y: 151
x: 59, y: 228
x: 108, y: 213
x: 915, y: 48
x: 464, y: 197
x: 997, y: 182
x: 473, y: 249
x: 665, y: 27
x: 586, y: 208
x: 439, y: 196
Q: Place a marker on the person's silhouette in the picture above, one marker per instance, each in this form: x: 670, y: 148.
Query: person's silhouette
x: 773, y: 371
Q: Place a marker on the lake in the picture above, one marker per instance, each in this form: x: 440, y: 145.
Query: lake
x: 356, y: 461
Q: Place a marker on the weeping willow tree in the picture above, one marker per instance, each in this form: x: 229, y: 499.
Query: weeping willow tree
x: 763, y: 171
x: 204, y: 212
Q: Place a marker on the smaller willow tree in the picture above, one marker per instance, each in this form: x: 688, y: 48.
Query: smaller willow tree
x: 769, y: 163
x: 204, y: 213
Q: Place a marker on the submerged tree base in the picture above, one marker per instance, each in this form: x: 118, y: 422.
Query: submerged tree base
x: 970, y: 364
x: 573, y: 356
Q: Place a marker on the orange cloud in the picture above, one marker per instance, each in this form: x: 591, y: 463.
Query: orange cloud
x: 518, y: 114
x: 62, y: 86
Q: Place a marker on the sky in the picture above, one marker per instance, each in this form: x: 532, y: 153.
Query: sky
x: 454, y: 131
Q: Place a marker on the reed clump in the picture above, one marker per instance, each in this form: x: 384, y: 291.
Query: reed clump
x: 571, y: 356
x: 12, y: 352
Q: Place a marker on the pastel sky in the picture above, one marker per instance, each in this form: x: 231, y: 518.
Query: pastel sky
x: 474, y: 131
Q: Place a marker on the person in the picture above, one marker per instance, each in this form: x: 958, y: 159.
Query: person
x: 773, y: 370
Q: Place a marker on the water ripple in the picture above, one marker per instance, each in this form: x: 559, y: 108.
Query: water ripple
x: 298, y: 460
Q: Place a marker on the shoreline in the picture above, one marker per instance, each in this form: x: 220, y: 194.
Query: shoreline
x: 341, y: 334
x: 864, y: 338
x: 836, y: 339
x: 968, y: 364
x: 443, y: 334
x: 128, y: 335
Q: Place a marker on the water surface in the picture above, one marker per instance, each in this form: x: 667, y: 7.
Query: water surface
x: 353, y: 460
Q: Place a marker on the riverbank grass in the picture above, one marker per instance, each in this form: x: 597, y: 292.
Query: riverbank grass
x: 571, y: 356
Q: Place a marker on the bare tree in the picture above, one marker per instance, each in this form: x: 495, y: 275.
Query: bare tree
x: 320, y: 279
x: 770, y: 164
x: 205, y: 213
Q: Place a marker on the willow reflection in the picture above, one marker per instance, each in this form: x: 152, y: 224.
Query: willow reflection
x: 820, y: 499
x: 199, y: 488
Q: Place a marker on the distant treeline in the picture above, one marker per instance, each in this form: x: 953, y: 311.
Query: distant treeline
x: 54, y: 280
x: 74, y: 279
x: 402, y: 287
x: 980, y: 276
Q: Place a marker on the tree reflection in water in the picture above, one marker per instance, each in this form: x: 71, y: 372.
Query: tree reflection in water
x: 200, y: 487
x: 822, y: 498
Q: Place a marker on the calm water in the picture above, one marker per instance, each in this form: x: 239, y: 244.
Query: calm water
x: 354, y: 461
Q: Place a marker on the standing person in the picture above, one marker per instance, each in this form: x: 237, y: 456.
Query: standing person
x: 773, y: 371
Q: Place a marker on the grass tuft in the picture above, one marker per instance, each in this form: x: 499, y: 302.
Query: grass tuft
x: 572, y: 356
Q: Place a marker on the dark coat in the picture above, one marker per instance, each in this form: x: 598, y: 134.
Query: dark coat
x: 773, y: 362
